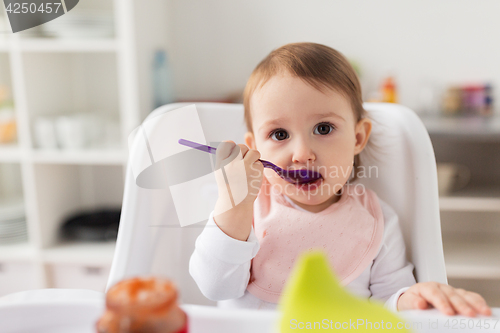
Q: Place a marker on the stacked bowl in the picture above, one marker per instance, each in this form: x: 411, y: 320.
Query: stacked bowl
x: 80, y: 24
x: 12, y: 222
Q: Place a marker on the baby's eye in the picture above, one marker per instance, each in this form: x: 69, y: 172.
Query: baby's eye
x: 324, y: 128
x: 281, y: 135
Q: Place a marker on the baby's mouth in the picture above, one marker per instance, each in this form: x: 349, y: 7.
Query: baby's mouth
x: 312, y: 177
x: 314, y: 183
x: 314, y: 180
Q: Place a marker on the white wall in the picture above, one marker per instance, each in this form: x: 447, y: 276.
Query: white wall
x: 150, y: 37
x: 217, y: 43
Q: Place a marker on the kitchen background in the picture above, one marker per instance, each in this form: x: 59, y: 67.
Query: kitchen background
x: 73, y: 89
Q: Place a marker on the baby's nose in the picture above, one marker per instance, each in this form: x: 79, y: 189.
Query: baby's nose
x: 303, y: 154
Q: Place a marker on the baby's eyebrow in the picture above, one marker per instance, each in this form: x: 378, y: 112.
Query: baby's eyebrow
x: 278, y: 121
x: 328, y: 114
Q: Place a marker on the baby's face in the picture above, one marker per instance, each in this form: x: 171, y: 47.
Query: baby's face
x: 298, y: 127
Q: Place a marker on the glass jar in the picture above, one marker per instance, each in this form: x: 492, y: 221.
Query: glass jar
x: 146, y: 305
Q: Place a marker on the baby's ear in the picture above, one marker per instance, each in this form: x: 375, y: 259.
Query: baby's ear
x: 250, y: 140
x: 363, y: 131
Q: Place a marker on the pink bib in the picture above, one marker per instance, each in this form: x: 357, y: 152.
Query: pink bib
x: 350, y: 232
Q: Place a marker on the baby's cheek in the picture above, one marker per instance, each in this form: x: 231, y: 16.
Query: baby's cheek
x: 341, y: 169
x: 277, y: 184
x: 271, y: 175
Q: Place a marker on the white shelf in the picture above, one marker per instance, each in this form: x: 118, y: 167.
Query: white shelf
x: 463, y: 126
x: 479, y: 199
x: 56, y: 76
x: 4, y: 47
x: 472, y: 259
x: 68, y: 45
x: 13, y: 154
x: 93, y: 157
x: 17, y: 252
x: 85, y: 253
x: 10, y: 153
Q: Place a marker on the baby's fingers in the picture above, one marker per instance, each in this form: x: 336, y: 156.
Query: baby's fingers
x: 434, y: 295
x: 417, y: 302
x: 225, y: 153
x: 476, y: 301
x: 459, y: 302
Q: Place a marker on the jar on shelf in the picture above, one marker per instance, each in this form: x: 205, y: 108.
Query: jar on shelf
x: 389, y: 92
x: 452, y: 100
x: 7, y: 117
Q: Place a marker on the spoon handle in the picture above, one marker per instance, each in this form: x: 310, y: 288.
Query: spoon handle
x: 212, y: 150
x: 198, y: 146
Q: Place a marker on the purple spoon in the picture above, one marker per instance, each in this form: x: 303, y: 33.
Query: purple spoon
x: 293, y: 176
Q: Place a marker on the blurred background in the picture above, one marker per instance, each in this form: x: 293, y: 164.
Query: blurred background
x: 71, y: 91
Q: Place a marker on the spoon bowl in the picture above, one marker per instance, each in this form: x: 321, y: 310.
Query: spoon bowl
x: 301, y: 176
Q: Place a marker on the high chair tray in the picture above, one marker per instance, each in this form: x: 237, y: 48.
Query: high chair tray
x: 76, y: 311
x: 80, y: 317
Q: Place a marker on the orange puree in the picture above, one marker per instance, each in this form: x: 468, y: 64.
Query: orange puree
x: 146, y: 305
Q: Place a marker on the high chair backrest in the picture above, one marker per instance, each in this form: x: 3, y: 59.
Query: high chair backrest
x: 399, y: 156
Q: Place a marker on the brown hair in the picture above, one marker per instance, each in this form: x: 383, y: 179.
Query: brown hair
x: 318, y: 65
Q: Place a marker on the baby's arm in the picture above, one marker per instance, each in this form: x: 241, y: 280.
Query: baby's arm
x: 220, y: 264
x: 391, y: 273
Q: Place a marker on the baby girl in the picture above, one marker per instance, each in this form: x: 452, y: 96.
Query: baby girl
x: 303, y: 110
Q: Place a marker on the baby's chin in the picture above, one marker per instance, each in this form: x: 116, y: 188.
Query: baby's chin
x: 315, y: 195
x: 309, y: 200
x: 312, y: 196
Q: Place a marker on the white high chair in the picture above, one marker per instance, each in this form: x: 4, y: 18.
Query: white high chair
x: 151, y: 241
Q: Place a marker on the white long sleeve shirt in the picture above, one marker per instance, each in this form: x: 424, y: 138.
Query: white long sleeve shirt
x: 220, y: 265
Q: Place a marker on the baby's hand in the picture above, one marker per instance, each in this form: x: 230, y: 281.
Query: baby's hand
x: 243, y: 173
x: 443, y: 297
x: 239, y: 186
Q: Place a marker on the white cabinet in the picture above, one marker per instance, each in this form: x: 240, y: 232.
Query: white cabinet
x: 470, y: 217
x: 18, y: 276
x: 18, y: 268
x: 52, y: 77
x: 78, y: 265
x: 70, y: 276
